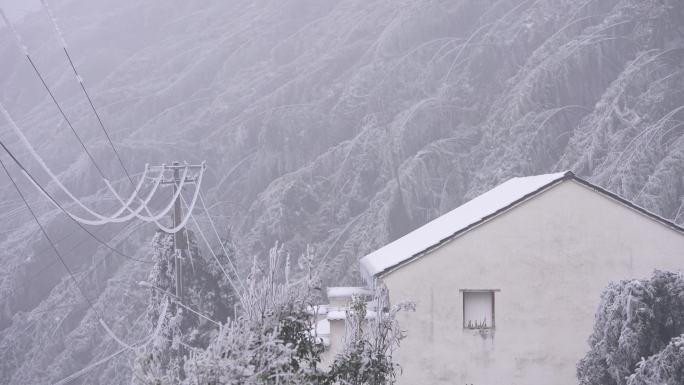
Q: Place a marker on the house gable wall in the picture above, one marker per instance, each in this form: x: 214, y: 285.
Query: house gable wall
x: 550, y: 257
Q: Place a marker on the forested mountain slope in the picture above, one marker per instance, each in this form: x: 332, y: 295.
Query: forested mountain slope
x: 339, y: 124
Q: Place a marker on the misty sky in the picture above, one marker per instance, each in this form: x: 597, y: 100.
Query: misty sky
x: 17, y: 9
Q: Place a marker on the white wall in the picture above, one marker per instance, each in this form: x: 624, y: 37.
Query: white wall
x: 550, y: 257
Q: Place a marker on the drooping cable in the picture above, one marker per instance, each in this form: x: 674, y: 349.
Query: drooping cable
x: 66, y: 119
x: 101, y: 218
x: 70, y: 272
x: 47, y: 194
x: 74, y: 376
x: 79, y: 78
x: 145, y: 342
x: 153, y: 217
x: 38, y: 253
x: 45, y: 234
x: 176, y: 195
x: 44, y: 166
x: 125, y: 348
x: 124, y: 207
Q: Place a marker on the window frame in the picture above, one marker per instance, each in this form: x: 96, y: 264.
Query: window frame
x: 492, y: 292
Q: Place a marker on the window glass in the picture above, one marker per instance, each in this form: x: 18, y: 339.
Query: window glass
x: 478, y: 309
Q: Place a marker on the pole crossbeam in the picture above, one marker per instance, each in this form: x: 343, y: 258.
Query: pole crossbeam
x: 176, y: 165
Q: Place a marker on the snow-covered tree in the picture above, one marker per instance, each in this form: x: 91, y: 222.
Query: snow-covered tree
x: 637, y: 319
x: 371, y: 337
x: 207, y: 294
x: 270, y: 340
x: 664, y: 368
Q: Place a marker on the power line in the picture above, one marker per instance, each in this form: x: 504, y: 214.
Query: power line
x: 125, y: 205
x: 126, y: 347
x: 85, y: 92
x: 47, y: 194
x: 71, y: 274
x: 45, y: 234
x: 179, y: 188
x: 78, y: 244
x: 49, y: 91
x: 24, y: 140
x: 58, y: 31
x: 239, y: 291
x: 225, y: 252
x: 66, y: 119
x: 38, y: 253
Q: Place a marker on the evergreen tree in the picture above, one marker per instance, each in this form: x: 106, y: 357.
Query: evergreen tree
x: 206, y: 291
x: 636, y: 319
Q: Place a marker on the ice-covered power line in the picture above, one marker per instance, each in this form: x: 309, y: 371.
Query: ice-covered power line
x: 74, y: 376
x: 14, y: 32
x: 223, y: 247
x: 126, y: 347
x: 46, y: 169
x: 177, y: 195
x: 145, y: 342
x: 52, y: 96
x: 239, y: 290
x: 91, y: 304
x: 45, y: 234
x: 150, y: 217
x: 125, y: 205
x: 99, y: 219
x: 61, y: 208
x: 52, y: 18
x: 115, y: 217
x: 79, y: 78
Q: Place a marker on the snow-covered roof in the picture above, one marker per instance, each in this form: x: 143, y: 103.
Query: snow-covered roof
x: 462, y: 217
x: 471, y: 213
x: 336, y: 315
x: 344, y: 292
x: 318, y: 309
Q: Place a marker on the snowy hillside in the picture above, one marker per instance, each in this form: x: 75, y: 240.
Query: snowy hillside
x: 342, y: 124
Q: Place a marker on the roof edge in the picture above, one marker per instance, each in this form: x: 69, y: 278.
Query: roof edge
x: 568, y: 175
x: 668, y: 223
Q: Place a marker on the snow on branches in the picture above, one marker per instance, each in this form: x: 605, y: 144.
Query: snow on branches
x: 271, y: 336
x: 637, y: 319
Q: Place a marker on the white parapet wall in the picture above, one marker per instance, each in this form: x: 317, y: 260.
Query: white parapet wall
x: 332, y: 319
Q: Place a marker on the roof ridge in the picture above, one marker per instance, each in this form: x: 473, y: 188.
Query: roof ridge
x: 481, y: 208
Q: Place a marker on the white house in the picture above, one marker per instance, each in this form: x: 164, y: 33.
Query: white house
x: 507, y: 284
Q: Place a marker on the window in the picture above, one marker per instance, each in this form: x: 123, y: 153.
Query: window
x: 478, y: 309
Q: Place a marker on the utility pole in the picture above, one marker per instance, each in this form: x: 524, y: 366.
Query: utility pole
x: 180, y: 240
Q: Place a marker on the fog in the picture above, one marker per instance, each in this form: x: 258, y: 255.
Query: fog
x: 337, y: 126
